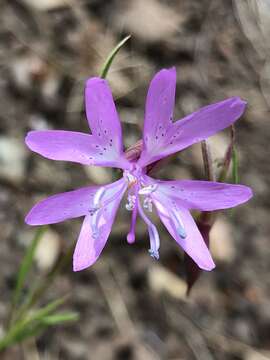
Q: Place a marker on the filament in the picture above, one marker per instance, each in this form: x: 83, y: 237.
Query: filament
x: 153, y: 234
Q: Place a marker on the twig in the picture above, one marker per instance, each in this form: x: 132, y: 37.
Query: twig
x: 114, y: 299
x: 193, y: 335
x: 228, y: 157
x: 119, y: 310
x: 207, y: 161
x: 29, y: 349
x: 227, y: 343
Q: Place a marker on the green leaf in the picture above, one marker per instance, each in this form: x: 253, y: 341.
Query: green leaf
x: 59, y: 318
x: 26, y: 265
x: 38, y: 289
x: 110, y: 58
x: 31, y: 325
x: 46, y: 310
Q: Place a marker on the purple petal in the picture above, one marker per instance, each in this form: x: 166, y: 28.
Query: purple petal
x: 102, y: 115
x: 89, y: 244
x: 192, y: 241
x: 205, y: 195
x: 61, y: 207
x: 67, y: 205
x: 73, y: 146
x: 159, y: 107
x: 194, y: 128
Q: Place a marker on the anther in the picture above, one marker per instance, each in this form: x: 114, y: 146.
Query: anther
x: 153, y: 234
x: 182, y: 232
x: 131, y: 202
x: 147, y: 204
x: 154, y: 242
x: 148, y: 189
x: 179, y: 224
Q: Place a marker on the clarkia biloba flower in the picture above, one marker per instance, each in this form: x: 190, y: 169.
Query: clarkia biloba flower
x: 172, y: 200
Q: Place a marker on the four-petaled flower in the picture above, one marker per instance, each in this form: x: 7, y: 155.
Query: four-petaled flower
x: 172, y: 200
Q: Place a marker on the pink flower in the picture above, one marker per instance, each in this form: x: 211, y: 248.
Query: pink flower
x: 172, y: 200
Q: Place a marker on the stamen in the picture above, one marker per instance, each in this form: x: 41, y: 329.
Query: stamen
x: 98, y: 195
x: 147, y: 204
x: 148, y: 189
x: 94, y: 224
x: 154, y: 242
x: 182, y: 232
x: 131, y: 202
x: 153, y: 234
x: 180, y: 226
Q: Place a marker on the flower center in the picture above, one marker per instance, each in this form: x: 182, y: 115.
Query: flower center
x: 136, y: 187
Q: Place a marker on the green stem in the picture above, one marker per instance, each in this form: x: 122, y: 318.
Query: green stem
x: 23, y: 271
x: 29, y: 324
x: 108, y: 62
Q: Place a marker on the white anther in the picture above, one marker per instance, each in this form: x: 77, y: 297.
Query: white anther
x: 148, y: 189
x: 154, y: 254
x: 182, y: 232
x: 131, y: 202
x: 154, y: 242
x: 147, y: 204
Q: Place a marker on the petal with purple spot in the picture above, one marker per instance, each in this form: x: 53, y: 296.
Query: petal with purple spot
x: 194, y: 128
x: 204, y: 195
x: 73, y: 146
x: 159, y: 107
x: 102, y: 116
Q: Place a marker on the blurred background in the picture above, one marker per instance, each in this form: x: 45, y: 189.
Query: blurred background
x: 130, y: 306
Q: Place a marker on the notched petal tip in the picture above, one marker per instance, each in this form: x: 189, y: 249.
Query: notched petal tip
x: 94, y: 80
x: 173, y: 71
x: 164, y: 75
x: 167, y: 72
x: 238, y: 102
